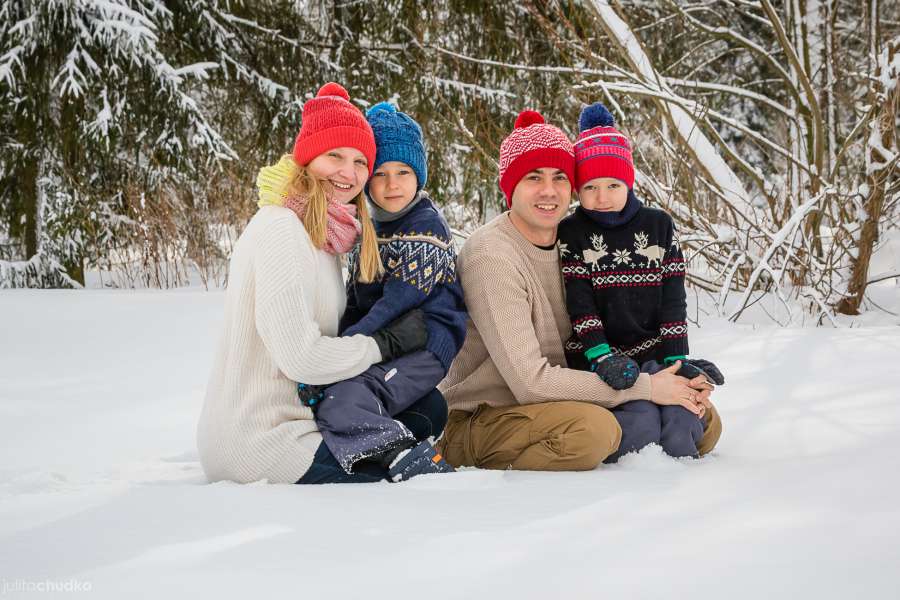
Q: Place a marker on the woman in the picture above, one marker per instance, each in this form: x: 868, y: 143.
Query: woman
x: 283, y: 304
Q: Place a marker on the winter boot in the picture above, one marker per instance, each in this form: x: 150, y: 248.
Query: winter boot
x: 418, y: 460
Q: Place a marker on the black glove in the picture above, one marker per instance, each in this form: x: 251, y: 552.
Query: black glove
x: 310, y: 395
x: 691, y: 367
x: 402, y: 336
x: 618, y: 372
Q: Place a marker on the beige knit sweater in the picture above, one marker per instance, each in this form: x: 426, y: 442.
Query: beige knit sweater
x: 517, y: 326
x: 282, y: 307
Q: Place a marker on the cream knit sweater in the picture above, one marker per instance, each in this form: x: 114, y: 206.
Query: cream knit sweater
x: 282, y: 307
x: 513, y: 353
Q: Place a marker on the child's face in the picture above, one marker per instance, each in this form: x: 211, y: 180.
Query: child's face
x: 604, y: 194
x: 393, y: 185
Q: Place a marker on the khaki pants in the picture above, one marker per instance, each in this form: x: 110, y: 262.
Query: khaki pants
x: 551, y: 436
x: 712, y: 430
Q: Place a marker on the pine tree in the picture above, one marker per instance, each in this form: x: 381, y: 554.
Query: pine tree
x: 93, y: 110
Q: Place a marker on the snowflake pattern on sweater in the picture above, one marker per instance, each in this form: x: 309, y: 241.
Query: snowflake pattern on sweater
x: 625, y: 284
x: 423, y: 260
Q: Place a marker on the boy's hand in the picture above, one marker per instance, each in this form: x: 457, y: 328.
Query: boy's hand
x: 404, y: 335
x: 692, y: 367
x: 618, y: 372
x: 310, y: 395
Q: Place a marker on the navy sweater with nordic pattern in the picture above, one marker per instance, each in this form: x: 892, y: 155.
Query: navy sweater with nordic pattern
x: 420, y: 272
x: 625, y: 284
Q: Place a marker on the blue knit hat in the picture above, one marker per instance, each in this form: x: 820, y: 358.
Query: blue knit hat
x: 398, y: 137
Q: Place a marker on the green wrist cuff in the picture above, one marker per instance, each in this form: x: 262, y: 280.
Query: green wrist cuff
x: 598, y: 350
x: 670, y: 360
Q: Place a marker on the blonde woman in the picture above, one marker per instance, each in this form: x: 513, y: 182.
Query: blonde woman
x: 284, y: 302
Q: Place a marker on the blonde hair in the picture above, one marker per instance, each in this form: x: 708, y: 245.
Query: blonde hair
x: 304, y: 183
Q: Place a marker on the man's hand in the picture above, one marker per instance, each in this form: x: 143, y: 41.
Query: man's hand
x: 667, y: 388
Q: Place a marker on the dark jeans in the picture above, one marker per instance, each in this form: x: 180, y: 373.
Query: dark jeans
x: 427, y: 417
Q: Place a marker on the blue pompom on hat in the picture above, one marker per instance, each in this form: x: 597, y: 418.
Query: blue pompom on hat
x: 595, y: 115
x: 398, y: 137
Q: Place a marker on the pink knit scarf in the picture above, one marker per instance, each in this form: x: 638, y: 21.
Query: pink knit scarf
x: 342, y: 227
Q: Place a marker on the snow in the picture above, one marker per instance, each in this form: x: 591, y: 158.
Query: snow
x: 8, y: 62
x: 464, y: 88
x: 100, y: 483
x: 100, y: 125
x: 70, y: 79
x: 787, y: 231
x: 890, y: 69
x: 199, y: 70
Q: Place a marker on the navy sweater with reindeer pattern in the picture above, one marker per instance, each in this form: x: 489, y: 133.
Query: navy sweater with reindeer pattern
x: 625, y: 282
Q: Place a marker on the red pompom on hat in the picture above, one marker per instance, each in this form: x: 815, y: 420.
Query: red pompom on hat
x: 333, y: 89
x: 528, y: 117
x: 533, y: 144
x: 331, y: 121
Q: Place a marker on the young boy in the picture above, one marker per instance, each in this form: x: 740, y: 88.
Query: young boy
x: 356, y: 417
x: 624, y: 275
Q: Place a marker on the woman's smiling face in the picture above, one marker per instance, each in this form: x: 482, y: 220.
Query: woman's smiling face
x: 343, y: 171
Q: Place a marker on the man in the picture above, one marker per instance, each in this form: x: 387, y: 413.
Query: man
x: 513, y: 402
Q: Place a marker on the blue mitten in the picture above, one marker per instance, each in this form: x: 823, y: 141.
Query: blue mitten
x: 711, y: 371
x: 618, y: 372
x: 692, y: 367
x: 310, y: 395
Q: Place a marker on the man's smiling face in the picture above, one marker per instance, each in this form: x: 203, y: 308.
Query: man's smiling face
x: 541, y: 199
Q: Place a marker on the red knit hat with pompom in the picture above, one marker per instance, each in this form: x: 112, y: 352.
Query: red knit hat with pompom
x: 533, y: 144
x: 331, y: 121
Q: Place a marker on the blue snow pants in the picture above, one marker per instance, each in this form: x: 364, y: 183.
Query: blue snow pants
x: 357, y: 415
x: 675, y: 428
x: 426, y: 418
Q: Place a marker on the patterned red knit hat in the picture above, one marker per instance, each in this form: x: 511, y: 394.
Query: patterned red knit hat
x: 601, y: 150
x: 330, y: 121
x: 533, y: 144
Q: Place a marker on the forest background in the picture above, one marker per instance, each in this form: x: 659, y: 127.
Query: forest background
x: 131, y: 132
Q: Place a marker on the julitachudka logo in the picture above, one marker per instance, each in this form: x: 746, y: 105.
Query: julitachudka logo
x: 10, y: 586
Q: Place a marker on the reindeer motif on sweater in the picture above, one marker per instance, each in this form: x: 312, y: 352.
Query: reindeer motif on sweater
x: 653, y: 254
x: 625, y: 284
x: 596, y: 252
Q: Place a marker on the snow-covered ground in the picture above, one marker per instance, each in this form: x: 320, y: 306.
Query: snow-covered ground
x: 100, y: 487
